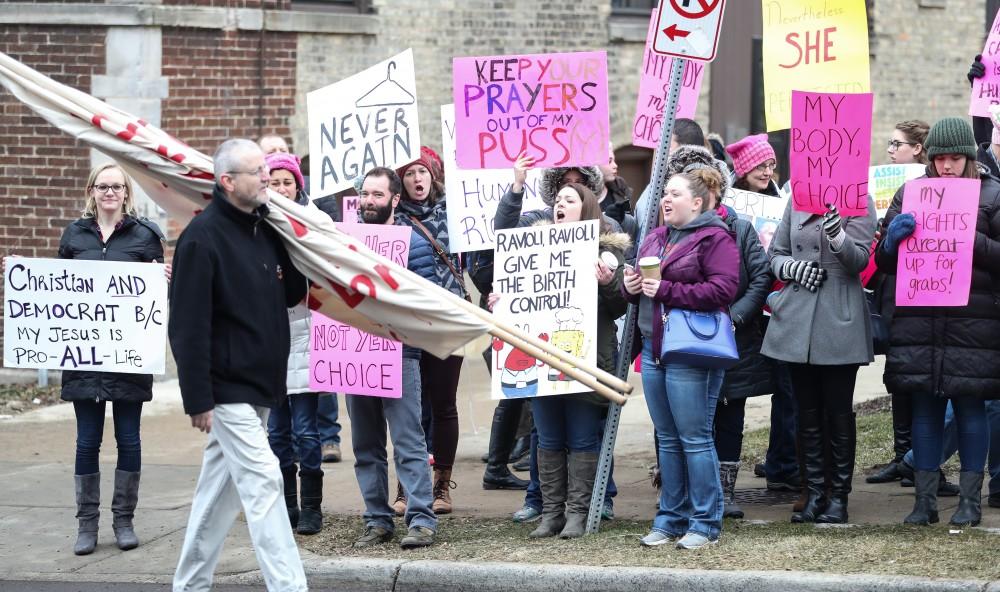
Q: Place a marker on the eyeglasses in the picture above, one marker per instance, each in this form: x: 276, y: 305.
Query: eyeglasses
x: 767, y: 166
x: 895, y: 144
x: 103, y: 188
x: 261, y: 170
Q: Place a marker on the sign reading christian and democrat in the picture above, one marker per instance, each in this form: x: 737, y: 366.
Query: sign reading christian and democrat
x: 552, y: 106
x: 99, y: 316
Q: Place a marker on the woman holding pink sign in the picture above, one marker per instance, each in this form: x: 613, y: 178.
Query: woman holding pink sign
x: 942, y: 353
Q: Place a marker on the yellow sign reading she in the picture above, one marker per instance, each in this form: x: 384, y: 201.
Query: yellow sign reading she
x: 812, y: 45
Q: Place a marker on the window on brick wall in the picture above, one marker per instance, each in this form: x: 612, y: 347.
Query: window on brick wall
x: 633, y: 7
x: 360, y: 6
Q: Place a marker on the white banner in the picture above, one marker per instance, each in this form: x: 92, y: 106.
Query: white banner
x: 100, y: 316
x: 362, y: 122
x: 547, y: 283
x: 473, y: 195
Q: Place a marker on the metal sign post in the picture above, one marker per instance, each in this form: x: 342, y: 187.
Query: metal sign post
x: 647, y: 222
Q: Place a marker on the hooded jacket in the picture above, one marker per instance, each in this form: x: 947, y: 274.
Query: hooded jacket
x: 435, y: 219
x: 232, y: 284
x: 133, y: 240
x: 699, y: 273
x: 950, y: 351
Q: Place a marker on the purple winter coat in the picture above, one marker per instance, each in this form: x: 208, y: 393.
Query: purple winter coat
x: 701, y: 273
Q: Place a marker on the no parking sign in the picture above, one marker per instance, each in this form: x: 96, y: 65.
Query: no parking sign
x: 689, y: 28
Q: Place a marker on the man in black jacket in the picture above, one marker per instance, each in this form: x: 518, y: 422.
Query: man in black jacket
x: 232, y: 283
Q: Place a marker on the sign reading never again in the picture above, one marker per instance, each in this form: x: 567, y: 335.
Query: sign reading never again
x: 99, y: 316
x: 362, y: 122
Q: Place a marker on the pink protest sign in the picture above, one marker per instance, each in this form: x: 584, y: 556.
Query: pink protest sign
x: 986, y: 90
x: 830, y: 146
x: 552, y: 106
x: 350, y: 209
x: 343, y: 359
x: 654, y: 84
x: 935, y: 262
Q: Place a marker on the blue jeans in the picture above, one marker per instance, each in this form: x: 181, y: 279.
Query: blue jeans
x: 294, y: 419
x: 949, y: 438
x: 928, y: 432
x: 565, y: 423
x: 327, y: 414
x: 369, y: 418
x: 781, y: 461
x: 90, y: 433
x: 681, y: 401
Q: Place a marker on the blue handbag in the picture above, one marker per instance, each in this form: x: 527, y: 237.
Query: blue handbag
x: 700, y: 339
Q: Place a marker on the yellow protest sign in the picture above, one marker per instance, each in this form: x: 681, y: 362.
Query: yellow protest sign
x: 815, y: 46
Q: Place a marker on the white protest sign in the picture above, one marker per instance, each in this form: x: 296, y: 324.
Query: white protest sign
x: 754, y: 205
x: 362, y: 122
x: 547, y: 285
x: 473, y: 195
x: 99, y: 316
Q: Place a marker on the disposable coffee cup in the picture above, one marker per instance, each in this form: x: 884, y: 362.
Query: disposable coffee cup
x: 610, y: 260
x: 649, y: 267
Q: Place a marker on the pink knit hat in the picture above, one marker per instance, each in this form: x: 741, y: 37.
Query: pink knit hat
x: 289, y: 162
x: 750, y: 152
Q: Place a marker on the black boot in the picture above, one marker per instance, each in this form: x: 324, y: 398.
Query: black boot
x: 506, y: 416
x: 842, y: 433
x: 945, y: 487
x: 123, y: 504
x: 970, y: 500
x: 290, y: 477
x: 88, y: 504
x: 811, y: 440
x: 925, y: 510
x: 521, y: 448
x: 311, y: 517
x: 902, y: 420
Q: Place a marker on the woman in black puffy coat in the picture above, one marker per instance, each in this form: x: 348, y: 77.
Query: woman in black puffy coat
x: 109, y: 230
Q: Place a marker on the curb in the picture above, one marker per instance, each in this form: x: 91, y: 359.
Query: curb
x: 372, y: 575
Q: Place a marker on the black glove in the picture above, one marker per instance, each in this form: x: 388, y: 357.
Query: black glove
x: 977, y: 69
x: 807, y: 274
x: 833, y: 225
x: 617, y: 211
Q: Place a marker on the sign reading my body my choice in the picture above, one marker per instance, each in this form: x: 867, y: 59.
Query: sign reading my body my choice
x: 99, y: 316
x: 552, y: 106
x: 830, y: 147
x: 935, y: 262
x: 343, y: 359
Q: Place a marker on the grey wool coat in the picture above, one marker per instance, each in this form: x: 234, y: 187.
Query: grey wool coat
x: 830, y: 326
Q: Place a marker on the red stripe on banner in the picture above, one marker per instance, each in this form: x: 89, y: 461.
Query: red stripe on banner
x: 383, y: 272
x: 352, y: 300
x: 96, y: 119
x: 314, y: 303
x: 298, y: 227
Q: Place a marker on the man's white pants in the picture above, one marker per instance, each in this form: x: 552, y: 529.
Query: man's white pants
x: 239, y: 471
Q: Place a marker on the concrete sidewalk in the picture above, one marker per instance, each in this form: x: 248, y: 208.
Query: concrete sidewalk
x: 37, y: 527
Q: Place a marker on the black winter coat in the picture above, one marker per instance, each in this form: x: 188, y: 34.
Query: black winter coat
x: 136, y: 241
x: 751, y: 376
x: 233, y: 281
x: 951, y: 351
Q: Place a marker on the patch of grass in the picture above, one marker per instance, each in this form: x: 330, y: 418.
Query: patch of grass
x: 18, y: 398
x: 887, y: 550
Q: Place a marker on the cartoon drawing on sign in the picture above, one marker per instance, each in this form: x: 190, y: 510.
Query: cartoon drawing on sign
x: 569, y: 337
x: 387, y: 93
x: 519, y: 371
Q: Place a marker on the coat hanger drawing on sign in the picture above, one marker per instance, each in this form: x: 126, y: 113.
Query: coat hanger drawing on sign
x: 386, y: 93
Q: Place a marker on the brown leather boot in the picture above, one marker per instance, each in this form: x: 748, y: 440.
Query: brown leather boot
x: 399, y: 505
x: 442, y: 497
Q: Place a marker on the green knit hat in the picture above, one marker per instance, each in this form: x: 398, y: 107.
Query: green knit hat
x: 951, y: 135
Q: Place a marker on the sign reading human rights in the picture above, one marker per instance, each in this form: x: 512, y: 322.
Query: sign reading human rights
x: 362, y: 122
x: 814, y: 46
x: 99, y: 316
x: 986, y: 90
x: 343, y: 359
x: 474, y: 194
x: 552, y: 106
x: 830, y: 148
x: 654, y: 86
x: 935, y: 262
x: 546, y: 280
